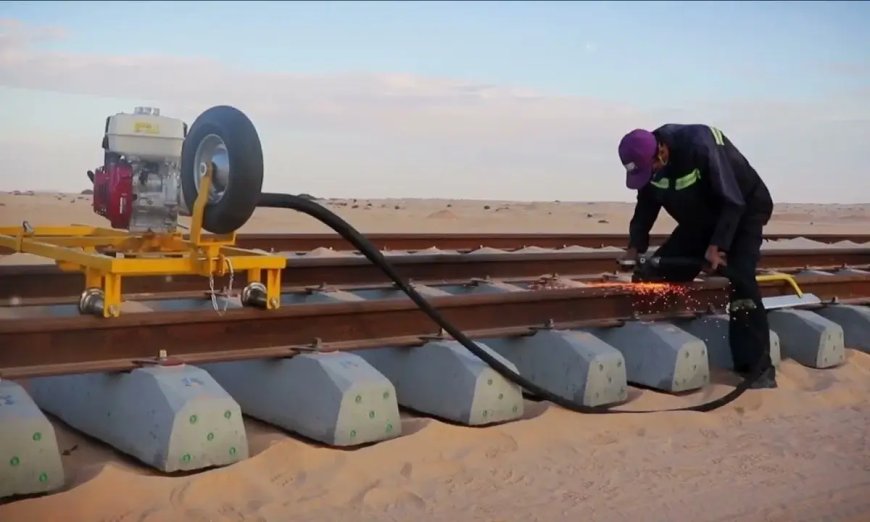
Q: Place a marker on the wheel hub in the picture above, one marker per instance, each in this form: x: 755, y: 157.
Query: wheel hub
x: 213, y: 149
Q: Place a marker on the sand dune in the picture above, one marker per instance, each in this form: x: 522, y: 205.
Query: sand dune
x: 800, y: 452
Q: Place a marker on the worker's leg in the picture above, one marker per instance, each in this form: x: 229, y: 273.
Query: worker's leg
x: 749, y: 333
x: 682, y: 243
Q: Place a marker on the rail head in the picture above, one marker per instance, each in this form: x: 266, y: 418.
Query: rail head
x: 568, y: 296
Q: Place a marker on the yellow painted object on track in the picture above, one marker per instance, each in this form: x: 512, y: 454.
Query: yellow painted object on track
x: 786, y: 301
x: 80, y: 248
x: 781, y: 277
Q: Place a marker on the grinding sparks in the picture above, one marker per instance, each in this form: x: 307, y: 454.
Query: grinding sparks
x: 647, y: 297
x: 656, y: 289
x: 656, y: 297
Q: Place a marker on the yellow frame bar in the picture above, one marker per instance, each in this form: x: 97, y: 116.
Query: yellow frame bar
x: 74, y: 248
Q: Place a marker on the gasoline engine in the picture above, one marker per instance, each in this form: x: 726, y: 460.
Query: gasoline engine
x: 153, y: 167
x: 138, y: 186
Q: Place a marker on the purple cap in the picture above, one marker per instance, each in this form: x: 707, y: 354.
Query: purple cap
x: 637, y: 151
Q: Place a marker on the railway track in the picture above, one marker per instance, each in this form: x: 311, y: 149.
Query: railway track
x: 53, y: 339
x: 167, y: 381
x: 324, y: 265
x: 470, y: 241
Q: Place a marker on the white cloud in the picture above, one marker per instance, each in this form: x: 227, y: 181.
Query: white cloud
x: 347, y: 134
x: 14, y: 33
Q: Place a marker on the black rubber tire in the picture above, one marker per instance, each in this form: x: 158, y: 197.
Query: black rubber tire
x: 245, y: 163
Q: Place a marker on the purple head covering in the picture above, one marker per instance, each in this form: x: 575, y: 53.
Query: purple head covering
x: 637, y: 151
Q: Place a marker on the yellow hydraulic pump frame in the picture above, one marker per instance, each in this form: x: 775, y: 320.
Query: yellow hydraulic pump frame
x: 75, y: 248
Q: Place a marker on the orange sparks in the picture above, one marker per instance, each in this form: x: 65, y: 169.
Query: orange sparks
x: 657, y: 296
x: 644, y: 288
x: 655, y: 289
x: 654, y: 297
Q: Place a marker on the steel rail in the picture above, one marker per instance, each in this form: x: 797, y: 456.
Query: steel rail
x: 301, y: 242
x: 379, y: 287
x: 42, y: 281
x: 55, y: 345
x: 470, y: 241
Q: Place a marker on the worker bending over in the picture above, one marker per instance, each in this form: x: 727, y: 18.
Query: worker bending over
x: 720, y: 205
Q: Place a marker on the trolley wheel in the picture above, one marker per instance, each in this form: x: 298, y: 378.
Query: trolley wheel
x: 226, y: 137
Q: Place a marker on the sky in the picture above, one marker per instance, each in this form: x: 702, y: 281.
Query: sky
x: 488, y: 100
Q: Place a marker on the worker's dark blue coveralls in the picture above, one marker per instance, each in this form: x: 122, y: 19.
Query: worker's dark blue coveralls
x: 716, y: 198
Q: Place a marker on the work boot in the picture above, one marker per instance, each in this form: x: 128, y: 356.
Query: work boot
x: 766, y: 380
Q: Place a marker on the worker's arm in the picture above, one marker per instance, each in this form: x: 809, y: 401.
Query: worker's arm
x: 646, y: 211
x: 716, y: 166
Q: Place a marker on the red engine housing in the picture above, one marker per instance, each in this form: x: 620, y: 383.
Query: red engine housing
x: 113, y: 193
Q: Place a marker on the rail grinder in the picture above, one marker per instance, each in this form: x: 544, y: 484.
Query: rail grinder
x: 155, y: 170
x: 645, y: 268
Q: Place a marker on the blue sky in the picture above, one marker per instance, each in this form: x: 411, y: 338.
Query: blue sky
x: 769, y: 73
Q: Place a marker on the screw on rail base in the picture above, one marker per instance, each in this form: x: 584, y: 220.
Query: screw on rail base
x: 548, y: 325
x: 475, y: 281
x: 440, y: 336
x: 162, y: 359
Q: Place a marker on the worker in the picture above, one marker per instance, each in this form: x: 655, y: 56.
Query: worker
x: 721, y: 205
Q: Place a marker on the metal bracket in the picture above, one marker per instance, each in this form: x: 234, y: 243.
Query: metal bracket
x: 316, y: 346
x: 477, y: 281
x: 549, y: 324
x: 440, y: 336
x: 162, y: 359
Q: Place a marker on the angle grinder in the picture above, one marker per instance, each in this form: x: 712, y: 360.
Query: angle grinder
x: 649, y: 269
x: 643, y: 269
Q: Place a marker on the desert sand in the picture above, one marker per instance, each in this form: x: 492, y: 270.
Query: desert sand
x: 439, y: 215
x: 799, y: 452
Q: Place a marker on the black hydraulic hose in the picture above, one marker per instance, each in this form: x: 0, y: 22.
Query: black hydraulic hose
x: 373, y: 254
